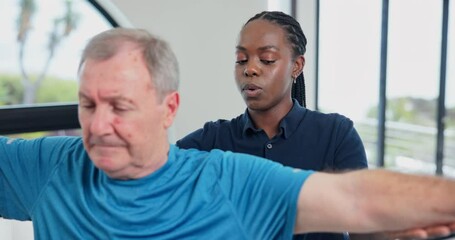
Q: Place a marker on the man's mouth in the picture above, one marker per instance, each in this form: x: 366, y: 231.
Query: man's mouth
x: 105, y: 143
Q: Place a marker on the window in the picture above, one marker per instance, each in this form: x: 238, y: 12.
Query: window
x: 449, y: 133
x: 412, y: 84
x: 41, y: 44
x: 349, y: 64
x: 349, y: 76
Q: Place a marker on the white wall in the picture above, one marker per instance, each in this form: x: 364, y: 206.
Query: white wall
x: 15, y: 230
x: 306, y: 15
x: 5, y: 229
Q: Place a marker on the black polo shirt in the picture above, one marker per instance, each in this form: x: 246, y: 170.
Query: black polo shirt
x: 307, y: 140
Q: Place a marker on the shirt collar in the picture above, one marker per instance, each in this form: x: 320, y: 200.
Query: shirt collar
x: 288, y: 124
x: 292, y: 120
x: 248, y: 123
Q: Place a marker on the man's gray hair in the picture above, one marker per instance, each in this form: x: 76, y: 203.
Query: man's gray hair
x: 158, y: 56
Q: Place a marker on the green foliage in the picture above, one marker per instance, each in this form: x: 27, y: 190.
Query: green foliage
x: 10, y: 90
x: 57, y: 90
x: 51, y: 90
x: 415, y: 111
x: 450, y: 118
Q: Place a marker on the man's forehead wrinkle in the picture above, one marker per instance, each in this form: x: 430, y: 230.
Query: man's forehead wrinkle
x: 111, y: 95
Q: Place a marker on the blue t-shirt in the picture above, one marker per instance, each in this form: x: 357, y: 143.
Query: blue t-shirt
x: 195, y: 195
x: 307, y: 139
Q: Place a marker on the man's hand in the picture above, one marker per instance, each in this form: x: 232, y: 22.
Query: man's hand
x: 438, y: 231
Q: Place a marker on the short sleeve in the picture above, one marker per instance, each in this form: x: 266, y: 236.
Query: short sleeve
x: 265, y: 194
x: 350, y: 152
x: 25, y: 168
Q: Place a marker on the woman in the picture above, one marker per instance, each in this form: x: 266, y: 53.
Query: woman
x: 268, y: 73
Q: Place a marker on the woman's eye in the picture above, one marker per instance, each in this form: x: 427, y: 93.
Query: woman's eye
x: 268, y: 61
x: 241, y: 62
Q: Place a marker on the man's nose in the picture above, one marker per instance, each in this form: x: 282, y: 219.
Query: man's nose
x: 101, y: 123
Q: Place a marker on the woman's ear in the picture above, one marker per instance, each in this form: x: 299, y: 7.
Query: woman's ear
x: 299, y: 63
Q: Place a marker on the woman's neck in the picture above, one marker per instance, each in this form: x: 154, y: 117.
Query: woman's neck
x: 270, y: 119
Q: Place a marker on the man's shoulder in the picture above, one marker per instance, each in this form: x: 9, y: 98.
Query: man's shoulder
x: 193, y: 154
x: 213, y: 157
x: 47, y: 141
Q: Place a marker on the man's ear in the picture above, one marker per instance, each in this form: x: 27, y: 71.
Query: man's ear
x: 171, y: 102
x: 299, y: 63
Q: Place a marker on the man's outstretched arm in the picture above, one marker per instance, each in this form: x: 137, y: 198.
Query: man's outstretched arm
x: 374, y: 201
x: 438, y: 231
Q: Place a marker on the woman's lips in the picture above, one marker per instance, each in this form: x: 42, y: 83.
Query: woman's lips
x: 251, y: 90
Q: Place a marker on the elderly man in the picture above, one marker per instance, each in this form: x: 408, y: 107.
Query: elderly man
x: 123, y: 179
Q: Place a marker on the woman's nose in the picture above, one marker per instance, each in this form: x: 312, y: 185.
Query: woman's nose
x: 251, y: 70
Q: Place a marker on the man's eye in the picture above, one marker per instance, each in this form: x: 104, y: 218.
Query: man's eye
x: 87, y: 106
x: 120, y: 109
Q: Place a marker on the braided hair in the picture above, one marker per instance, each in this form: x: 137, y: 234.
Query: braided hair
x: 298, y: 43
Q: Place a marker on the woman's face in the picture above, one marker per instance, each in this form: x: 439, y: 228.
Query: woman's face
x: 264, y: 66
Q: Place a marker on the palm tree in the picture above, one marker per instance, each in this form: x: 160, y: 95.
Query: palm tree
x: 62, y: 27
